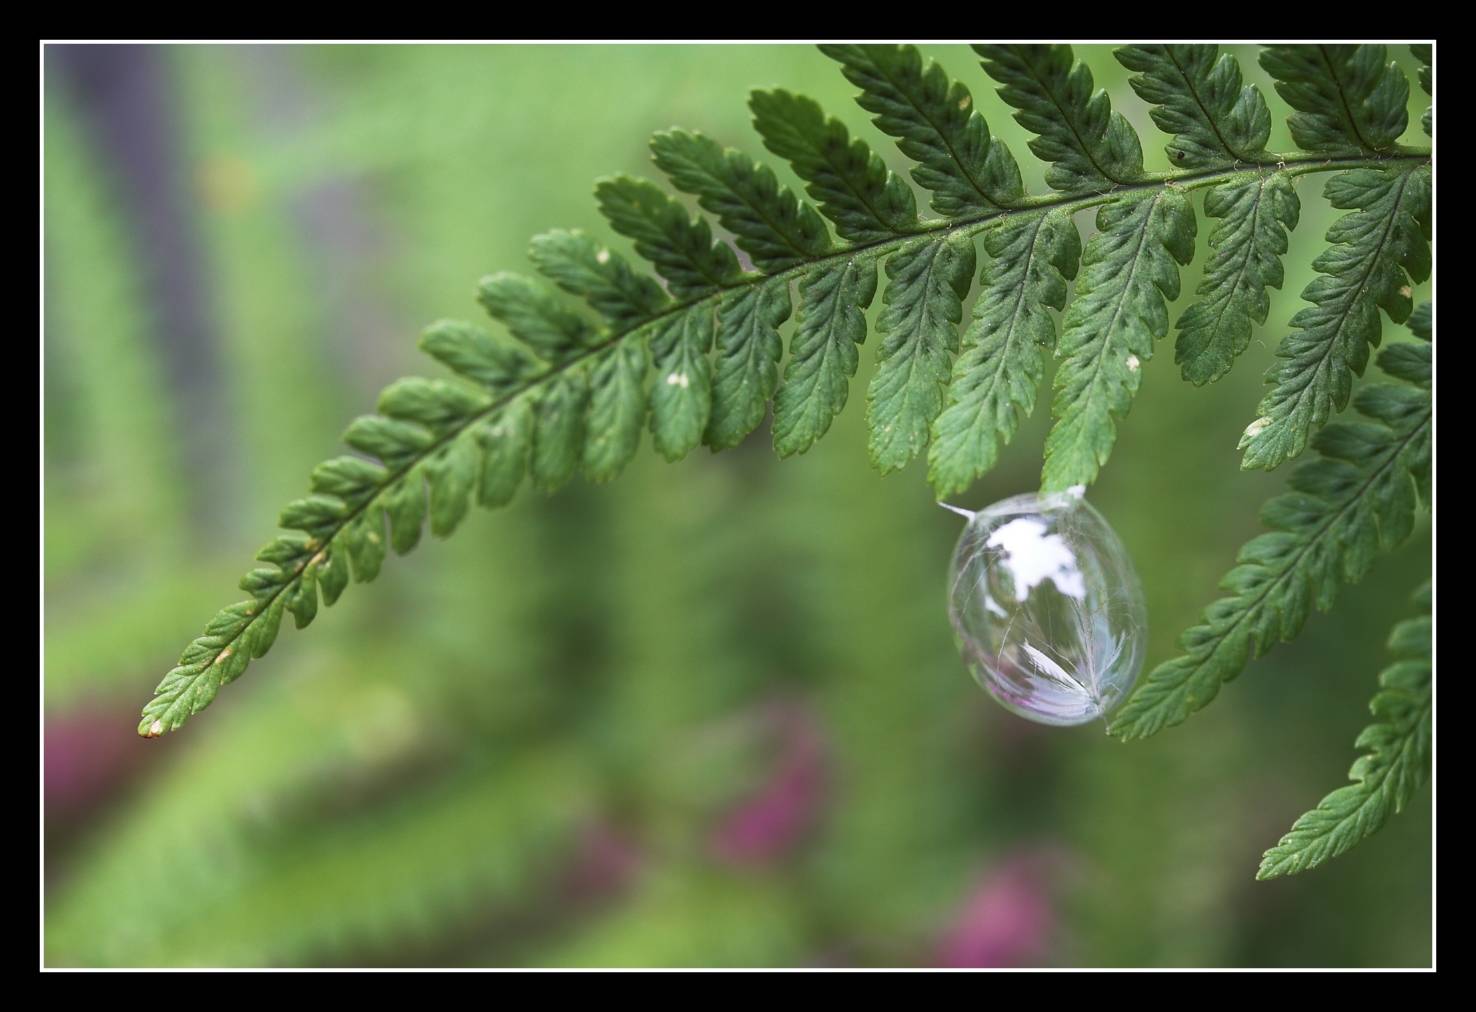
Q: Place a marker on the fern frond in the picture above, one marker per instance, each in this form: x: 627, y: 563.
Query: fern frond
x: 1358, y: 499
x: 1395, y: 766
x: 1378, y: 251
x: 694, y: 357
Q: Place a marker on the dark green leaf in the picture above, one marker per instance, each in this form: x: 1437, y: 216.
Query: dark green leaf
x: 1345, y: 96
x: 1199, y: 99
x: 1089, y: 146
x: 770, y: 224
x: 927, y: 281
x: 1129, y: 271
x: 1255, y: 216
x: 822, y: 354
x: 854, y: 187
x: 935, y: 124
x: 1004, y: 347
x: 1375, y: 252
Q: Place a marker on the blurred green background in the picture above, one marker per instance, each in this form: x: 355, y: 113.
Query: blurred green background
x: 711, y: 714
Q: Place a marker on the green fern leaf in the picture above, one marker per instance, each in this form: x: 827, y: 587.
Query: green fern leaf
x: 581, y: 266
x: 681, y: 400
x: 500, y: 366
x: 748, y: 351
x: 1255, y: 216
x: 1089, y: 146
x: 506, y: 442
x: 995, y: 378
x: 1397, y: 763
x: 1358, y: 499
x: 1421, y: 322
x: 534, y: 316
x: 1377, y: 251
x: 853, y: 186
x: 936, y: 125
x: 1345, y: 96
x: 823, y: 355
x: 558, y: 430
x: 926, y: 285
x: 1426, y: 55
x: 681, y: 248
x: 1200, y: 101
x: 617, y: 411
x: 770, y: 224
x: 1131, y: 266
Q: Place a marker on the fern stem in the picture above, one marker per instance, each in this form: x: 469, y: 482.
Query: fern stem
x: 1293, y: 164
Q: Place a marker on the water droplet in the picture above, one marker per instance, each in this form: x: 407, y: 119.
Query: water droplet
x: 1047, y: 608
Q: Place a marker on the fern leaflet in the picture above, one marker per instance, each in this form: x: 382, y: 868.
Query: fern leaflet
x: 1357, y: 500
x: 1396, y: 765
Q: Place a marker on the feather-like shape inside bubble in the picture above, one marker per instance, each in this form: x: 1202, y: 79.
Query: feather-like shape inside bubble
x: 1047, y: 607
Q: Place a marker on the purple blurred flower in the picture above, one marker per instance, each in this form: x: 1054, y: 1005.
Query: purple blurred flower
x: 89, y: 754
x: 766, y: 826
x: 1007, y: 920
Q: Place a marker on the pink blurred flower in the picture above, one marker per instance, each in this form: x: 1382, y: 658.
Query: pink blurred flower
x: 770, y: 823
x: 1007, y: 920
x: 89, y: 752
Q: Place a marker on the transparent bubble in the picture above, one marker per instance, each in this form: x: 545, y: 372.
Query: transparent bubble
x: 1047, y: 607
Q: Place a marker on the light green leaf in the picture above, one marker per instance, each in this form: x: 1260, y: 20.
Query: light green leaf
x: 681, y: 398
x: 748, y: 353
x: 617, y: 410
x: 822, y: 355
x: 927, y: 282
x: 1129, y: 270
x: 680, y: 247
x: 558, y: 430
x: 535, y: 316
x: 602, y: 277
x: 1004, y: 347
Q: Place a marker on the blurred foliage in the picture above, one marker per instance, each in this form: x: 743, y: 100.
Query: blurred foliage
x: 709, y: 715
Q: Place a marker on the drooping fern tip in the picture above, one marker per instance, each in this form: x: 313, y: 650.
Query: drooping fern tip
x: 693, y: 351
